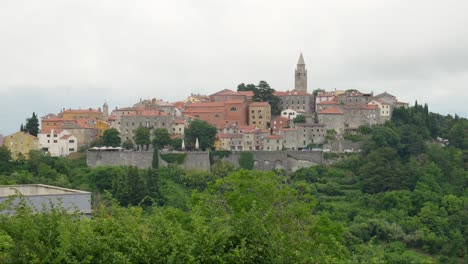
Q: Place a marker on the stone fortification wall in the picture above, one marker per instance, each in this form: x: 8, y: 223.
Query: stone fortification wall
x: 263, y: 160
x: 141, y: 159
x: 288, y: 160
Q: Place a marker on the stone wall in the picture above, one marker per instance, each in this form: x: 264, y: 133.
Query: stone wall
x: 263, y: 160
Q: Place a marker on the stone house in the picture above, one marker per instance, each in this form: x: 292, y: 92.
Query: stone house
x: 230, y: 142
x: 354, y: 117
x: 20, y: 144
x: 272, y: 142
x: 150, y: 119
x: 259, y: 114
x: 332, y: 118
x: 297, y: 100
x: 279, y: 122
x: 386, y: 110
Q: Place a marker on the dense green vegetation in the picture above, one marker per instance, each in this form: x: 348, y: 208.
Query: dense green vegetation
x: 402, y: 200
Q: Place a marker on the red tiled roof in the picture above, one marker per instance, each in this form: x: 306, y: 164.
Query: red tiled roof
x: 246, y: 93
x: 179, y: 105
x: 66, y: 137
x: 81, y: 111
x: 58, y: 119
x: 331, y: 111
x: 178, y: 121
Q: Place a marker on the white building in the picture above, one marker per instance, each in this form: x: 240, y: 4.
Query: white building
x: 290, y: 113
x: 58, y: 143
x: 384, y: 107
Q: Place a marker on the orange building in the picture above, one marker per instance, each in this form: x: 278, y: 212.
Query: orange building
x: 47, y: 124
x: 219, y: 114
x: 79, y: 114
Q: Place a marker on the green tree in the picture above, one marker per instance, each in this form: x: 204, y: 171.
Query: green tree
x: 32, y: 125
x: 161, y: 138
x: 155, y: 162
x: 136, y: 188
x: 249, y: 87
x: 264, y: 93
x: 111, y: 138
x: 142, y: 137
x: 128, y: 144
x: 299, y: 119
x: 203, y: 131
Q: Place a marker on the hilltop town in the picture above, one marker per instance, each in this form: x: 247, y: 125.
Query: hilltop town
x: 255, y: 117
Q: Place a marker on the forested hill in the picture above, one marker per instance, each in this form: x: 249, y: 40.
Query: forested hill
x: 402, y: 200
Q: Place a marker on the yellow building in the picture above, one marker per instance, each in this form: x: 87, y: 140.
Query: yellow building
x: 259, y: 114
x: 20, y: 144
x: 101, y: 126
x: 83, y: 114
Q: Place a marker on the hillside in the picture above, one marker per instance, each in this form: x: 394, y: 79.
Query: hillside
x: 401, y: 200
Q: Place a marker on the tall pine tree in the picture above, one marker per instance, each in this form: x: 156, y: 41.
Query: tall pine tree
x: 32, y: 125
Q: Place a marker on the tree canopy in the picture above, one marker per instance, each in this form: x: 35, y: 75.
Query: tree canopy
x: 32, y: 125
x: 161, y: 138
x: 111, y: 138
x: 205, y: 133
x: 142, y: 137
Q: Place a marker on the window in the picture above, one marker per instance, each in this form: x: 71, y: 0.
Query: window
x: 55, y: 141
x: 253, y: 111
x: 55, y: 135
x: 233, y: 109
x: 71, y: 149
x: 71, y: 141
x: 48, y: 135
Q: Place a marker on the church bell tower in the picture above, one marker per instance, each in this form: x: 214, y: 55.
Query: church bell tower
x: 301, y: 75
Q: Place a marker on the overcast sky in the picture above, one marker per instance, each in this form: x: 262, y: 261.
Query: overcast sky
x: 56, y: 54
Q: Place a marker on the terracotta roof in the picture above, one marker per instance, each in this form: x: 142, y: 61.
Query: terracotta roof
x: 370, y: 107
x: 225, y: 92
x: 331, y: 111
x: 246, y: 93
x: 81, y: 111
x: 178, y: 121
x: 179, y: 105
x: 66, y: 137
x: 280, y: 118
x: 57, y: 119
x: 259, y: 104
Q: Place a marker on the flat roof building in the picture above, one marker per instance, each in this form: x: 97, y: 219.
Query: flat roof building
x: 41, y: 196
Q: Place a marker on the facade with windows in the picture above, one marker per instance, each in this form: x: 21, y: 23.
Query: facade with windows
x: 259, y: 114
x: 58, y: 143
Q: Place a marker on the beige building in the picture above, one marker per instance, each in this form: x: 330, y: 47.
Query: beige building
x: 20, y: 144
x: 273, y: 142
x: 259, y: 114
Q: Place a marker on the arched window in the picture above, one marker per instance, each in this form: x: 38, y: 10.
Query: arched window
x: 233, y: 109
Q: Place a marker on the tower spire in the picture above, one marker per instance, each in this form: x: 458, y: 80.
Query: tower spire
x: 301, y: 75
x: 301, y: 60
